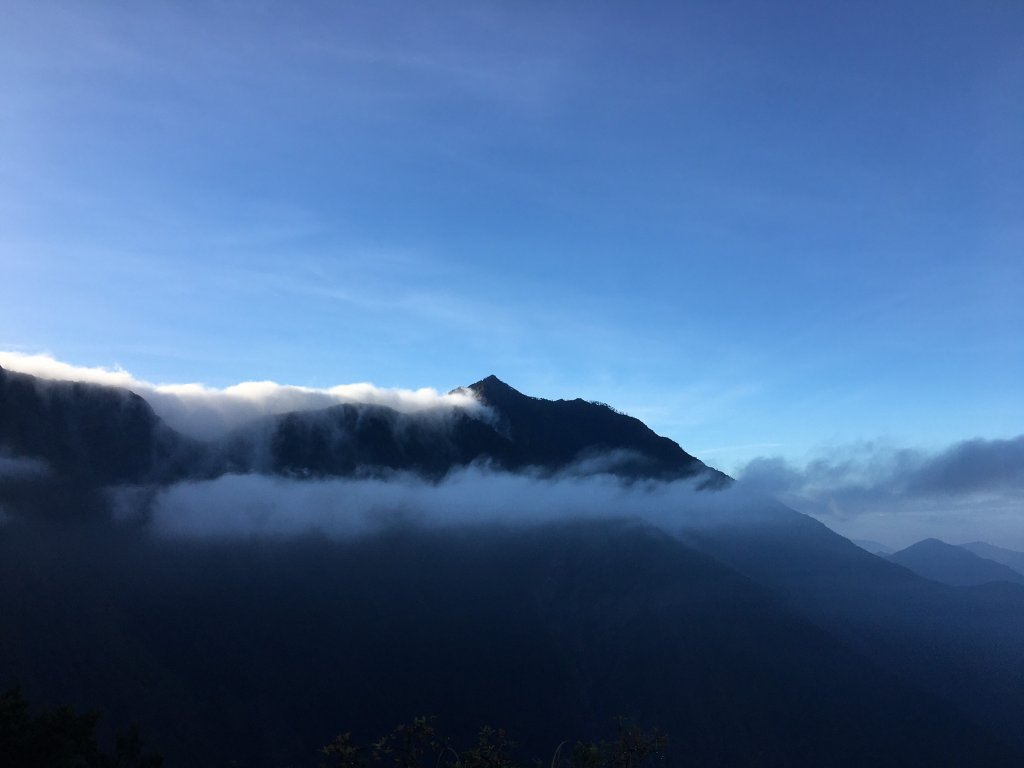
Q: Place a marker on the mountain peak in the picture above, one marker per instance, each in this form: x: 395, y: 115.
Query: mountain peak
x: 494, y: 391
x: 557, y: 433
x: 936, y: 560
x: 490, y: 382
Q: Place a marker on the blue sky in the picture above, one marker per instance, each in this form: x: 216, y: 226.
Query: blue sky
x: 763, y: 228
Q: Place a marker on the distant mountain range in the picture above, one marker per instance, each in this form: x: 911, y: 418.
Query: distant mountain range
x: 961, y: 565
x: 958, y: 565
x: 754, y: 636
x: 874, y: 547
x: 1007, y: 557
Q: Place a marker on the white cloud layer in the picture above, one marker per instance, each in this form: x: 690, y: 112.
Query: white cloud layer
x: 207, y: 412
x: 260, y: 505
x: 973, y: 490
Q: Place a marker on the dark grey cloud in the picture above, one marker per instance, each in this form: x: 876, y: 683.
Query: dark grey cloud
x: 973, y: 488
x: 872, y: 469
x: 973, y: 466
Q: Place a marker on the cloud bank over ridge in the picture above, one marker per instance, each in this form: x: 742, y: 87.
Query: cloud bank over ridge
x: 208, y: 412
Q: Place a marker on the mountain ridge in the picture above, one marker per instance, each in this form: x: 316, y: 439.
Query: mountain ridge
x: 563, y: 431
x: 113, y: 435
x: 1008, y: 557
x: 950, y: 564
x: 600, y: 610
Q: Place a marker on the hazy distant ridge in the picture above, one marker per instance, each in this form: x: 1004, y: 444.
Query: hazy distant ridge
x: 949, y: 564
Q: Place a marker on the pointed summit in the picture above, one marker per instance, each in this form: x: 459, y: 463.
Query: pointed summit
x: 558, y: 433
x: 936, y: 560
x: 495, y: 392
x: 490, y: 382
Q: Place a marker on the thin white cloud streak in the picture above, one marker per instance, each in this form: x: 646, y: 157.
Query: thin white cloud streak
x: 19, y: 467
x: 235, y: 506
x: 208, y: 412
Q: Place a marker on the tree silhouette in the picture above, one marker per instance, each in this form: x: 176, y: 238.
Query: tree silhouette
x: 419, y: 745
x: 62, y: 738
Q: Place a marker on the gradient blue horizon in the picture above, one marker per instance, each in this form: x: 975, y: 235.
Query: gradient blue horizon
x: 761, y: 228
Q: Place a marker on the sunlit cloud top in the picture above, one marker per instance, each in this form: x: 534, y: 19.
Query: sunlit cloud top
x: 205, y: 412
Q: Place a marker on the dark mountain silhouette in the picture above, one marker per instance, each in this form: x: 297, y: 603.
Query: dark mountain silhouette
x: 963, y: 644
x: 874, y: 547
x: 757, y: 638
x: 949, y: 564
x: 1008, y: 557
x: 556, y: 433
x: 347, y: 440
x: 517, y: 432
x: 261, y: 651
x: 106, y: 435
x: 84, y: 432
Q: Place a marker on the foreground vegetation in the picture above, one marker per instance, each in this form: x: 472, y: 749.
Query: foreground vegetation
x: 63, y: 738
x: 419, y: 745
